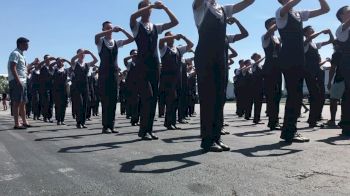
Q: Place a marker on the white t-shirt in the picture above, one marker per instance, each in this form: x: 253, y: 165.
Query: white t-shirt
x: 110, y: 44
x: 312, y: 44
x: 301, y: 16
x: 214, y: 8
x: 149, y: 27
x: 181, y: 49
x: 342, y: 36
x: 266, y: 43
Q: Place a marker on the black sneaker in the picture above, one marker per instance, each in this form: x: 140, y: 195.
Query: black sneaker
x: 298, y: 138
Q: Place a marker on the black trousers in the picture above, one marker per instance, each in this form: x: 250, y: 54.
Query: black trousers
x: 108, y: 96
x: 46, y: 103
x: 36, y: 103
x: 60, y: 100
x: 80, y: 100
x: 345, y: 119
x: 170, y: 100
x: 321, y: 85
x: 248, y: 99
x: 294, y: 85
x: 273, y: 86
x: 161, y: 103
x: 258, y: 96
x: 147, y: 85
x: 211, y: 73
x: 314, y: 96
x: 122, y: 100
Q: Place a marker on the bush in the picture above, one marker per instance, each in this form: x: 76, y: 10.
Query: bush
x: 4, y: 85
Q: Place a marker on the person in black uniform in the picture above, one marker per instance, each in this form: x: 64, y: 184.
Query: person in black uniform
x: 171, y: 69
x: 80, y: 84
x: 133, y: 99
x: 312, y: 70
x: 257, y: 81
x: 91, y: 94
x: 147, y: 62
x: 122, y: 93
x: 96, y: 96
x: 192, y: 89
x: 272, y: 73
x: 59, y: 88
x: 36, y: 92
x: 247, y: 93
x: 210, y: 61
x: 161, y: 96
x: 29, y: 95
x: 108, y: 72
x: 239, y: 87
x: 292, y: 61
x: 343, y: 37
x: 46, y: 76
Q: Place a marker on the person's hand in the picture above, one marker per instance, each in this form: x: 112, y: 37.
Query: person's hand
x: 231, y: 20
x: 178, y: 36
x: 116, y: 29
x: 87, y: 52
x: 158, y: 5
x: 327, y: 31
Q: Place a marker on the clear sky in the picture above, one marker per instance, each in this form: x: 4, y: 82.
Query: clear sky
x: 60, y: 27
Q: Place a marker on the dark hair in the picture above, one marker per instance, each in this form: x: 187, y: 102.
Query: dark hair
x: 79, y: 50
x: 132, y: 51
x: 268, y: 22
x: 247, y: 61
x: 142, y: 4
x: 105, y: 23
x: 241, y: 61
x: 341, y: 12
x: 254, y: 55
x: 306, y: 29
x: 21, y: 40
x: 46, y: 55
x: 167, y: 33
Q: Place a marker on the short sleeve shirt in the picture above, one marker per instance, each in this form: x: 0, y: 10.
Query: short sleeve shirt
x: 21, y: 66
x: 148, y: 26
x: 301, y: 16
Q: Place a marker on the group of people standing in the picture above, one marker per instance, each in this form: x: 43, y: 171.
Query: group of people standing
x: 170, y: 79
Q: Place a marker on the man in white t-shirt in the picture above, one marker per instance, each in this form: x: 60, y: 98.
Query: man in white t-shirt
x: 292, y: 61
x: 17, y: 76
x: 343, y: 36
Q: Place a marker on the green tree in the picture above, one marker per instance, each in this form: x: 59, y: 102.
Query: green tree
x: 4, y: 85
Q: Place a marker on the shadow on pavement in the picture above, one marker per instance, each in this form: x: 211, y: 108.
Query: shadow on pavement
x: 252, y: 152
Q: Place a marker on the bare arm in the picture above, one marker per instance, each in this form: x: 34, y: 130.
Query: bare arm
x: 126, y: 60
x: 129, y: 39
x: 244, y: 33
x: 241, y: 5
x: 166, y: 39
x: 189, y: 43
x: 323, y: 10
x: 331, y: 38
x: 102, y: 34
x: 94, y: 59
x: 288, y: 6
x: 138, y: 14
x: 270, y: 32
x: 173, y: 20
x: 233, y: 53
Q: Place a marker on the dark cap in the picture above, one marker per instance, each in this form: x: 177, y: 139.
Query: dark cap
x: 22, y: 40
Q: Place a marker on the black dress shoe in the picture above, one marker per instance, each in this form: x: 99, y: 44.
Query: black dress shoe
x: 298, y: 138
x: 313, y: 125
x: 133, y: 124
x: 62, y: 123
x: 226, y: 125
x: 50, y: 121
x: 45, y: 120
x: 213, y: 148
x: 183, y: 122
x: 154, y: 137
x: 175, y: 127
x: 19, y: 127
x: 84, y: 126
x: 169, y: 127
x: 105, y: 131
x: 223, y: 146
x: 27, y: 126
x: 58, y: 123
x: 146, y: 137
x: 114, y: 131
x: 78, y: 126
